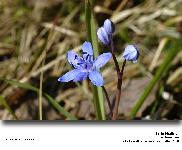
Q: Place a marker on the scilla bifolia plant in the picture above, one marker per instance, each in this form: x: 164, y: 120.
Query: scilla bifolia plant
x: 131, y: 53
x: 87, y: 67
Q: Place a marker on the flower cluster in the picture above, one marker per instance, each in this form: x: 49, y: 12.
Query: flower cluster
x: 85, y: 66
x: 104, y: 34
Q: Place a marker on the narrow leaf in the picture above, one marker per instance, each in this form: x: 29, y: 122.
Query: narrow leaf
x: 159, y: 73
x: 5, y: 104
x: 92, y: 36
x: 52, y: 101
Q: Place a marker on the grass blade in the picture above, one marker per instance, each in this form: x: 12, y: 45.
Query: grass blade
x: 59, y: 108
x: 40, y: 91
x: 159, y: 73
x: 92, y: 35
x: 5, y: 104
x: 53, y: 102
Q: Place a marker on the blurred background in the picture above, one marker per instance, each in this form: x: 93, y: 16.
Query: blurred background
x: 28, y: 28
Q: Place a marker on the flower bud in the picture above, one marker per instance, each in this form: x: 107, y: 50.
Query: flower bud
x: 109, y: 26
x: 103, y: 36
x: 131, y: 53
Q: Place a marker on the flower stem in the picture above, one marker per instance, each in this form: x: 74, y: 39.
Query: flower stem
x: 108, y: 101
x: 118, y: 96
x: 114, y: 58
x: 120, y: 75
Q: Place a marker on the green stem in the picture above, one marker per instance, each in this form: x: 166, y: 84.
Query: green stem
x: 92, y: 35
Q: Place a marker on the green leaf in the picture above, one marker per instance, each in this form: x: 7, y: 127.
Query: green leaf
x: 52, y: 101
x: 5, y: 104
x: 92, y: 36
x: 159, y: 73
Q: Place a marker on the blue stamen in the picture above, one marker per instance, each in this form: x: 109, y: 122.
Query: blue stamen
x: 76, y: 57
x: 80, y: 63
x: 84, y: 53
x: 87, y: 56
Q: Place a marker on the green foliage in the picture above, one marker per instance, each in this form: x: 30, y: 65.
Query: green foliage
x: 52, y: 101
x: 158, y: 75
x: 5, y: 104
x: 91, y: 28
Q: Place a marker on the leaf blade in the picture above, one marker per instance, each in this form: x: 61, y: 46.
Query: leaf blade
x: 159, y: 73
x: 5, y: 104
x: 92, y: 36
x: 53, y: 102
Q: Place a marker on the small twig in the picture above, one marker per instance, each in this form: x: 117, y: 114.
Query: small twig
x: 44, y: 53
x: 121, y: 6
x: 40, y: 89
x: 108, y: 101
x: 158, y: 53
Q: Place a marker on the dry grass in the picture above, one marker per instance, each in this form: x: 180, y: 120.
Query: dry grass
x: 24, y: 31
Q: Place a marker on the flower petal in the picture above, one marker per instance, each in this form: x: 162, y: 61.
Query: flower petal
x: 87, y: 48
x: 71, y: 75
x: 73, y: 58
x: 81, y: 76
x: 102, y: 60
x: 109, y: 26
x: 103, y: 36
x: 96, y: 78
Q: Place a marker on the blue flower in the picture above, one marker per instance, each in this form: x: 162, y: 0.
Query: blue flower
x: 131, y: 53
x: 85, y: 66
x: 104, y: 33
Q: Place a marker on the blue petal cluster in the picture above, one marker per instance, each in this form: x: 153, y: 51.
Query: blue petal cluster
x: 131, y: 53
x: 85, y: 66
x: 104, y: 33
